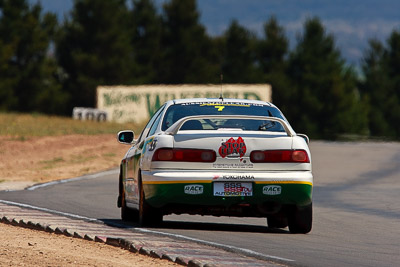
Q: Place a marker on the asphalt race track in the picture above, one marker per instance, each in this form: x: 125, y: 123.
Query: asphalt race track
x: 356, y: 210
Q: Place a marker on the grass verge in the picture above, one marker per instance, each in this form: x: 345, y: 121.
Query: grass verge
x: 22, y: 126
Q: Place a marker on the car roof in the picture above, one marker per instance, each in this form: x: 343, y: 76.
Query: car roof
x: 214, y: 100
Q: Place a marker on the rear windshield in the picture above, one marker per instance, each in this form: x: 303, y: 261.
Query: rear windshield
x: 178, y: 111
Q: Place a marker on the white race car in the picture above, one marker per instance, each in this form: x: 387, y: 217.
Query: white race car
x: 221, y: 157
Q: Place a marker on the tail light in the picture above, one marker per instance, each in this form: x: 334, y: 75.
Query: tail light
x: 184, y: 155
x: 272, y: 156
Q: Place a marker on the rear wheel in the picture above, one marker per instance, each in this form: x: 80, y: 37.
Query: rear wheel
x: 148, y: 216
x: 127, y: 214
x: 300, y: 219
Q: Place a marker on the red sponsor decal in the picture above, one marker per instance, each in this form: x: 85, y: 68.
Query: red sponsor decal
x: 233, y: 147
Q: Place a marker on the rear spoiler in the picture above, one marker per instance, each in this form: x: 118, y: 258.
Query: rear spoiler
x: 173, y: 130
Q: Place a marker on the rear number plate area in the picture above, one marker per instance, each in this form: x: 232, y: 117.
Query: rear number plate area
x: 233, y: 189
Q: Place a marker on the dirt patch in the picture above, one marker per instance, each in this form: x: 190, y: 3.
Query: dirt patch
x: 24, y: 247
x: 42, y: 159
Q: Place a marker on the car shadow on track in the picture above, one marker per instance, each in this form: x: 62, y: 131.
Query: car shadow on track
x: 201, y: 226
x: 224, y: 227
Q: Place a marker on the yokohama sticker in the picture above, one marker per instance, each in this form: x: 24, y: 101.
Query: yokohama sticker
x: 233, y: 148
x: 233, y: 177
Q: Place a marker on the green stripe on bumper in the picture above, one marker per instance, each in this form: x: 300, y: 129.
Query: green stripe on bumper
x: 161, y: 194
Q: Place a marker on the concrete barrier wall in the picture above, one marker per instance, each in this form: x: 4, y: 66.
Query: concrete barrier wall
x: 138, y: 103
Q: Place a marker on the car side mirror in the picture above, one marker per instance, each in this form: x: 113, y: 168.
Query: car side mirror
x: 126, y: 137
x: 305, y: 137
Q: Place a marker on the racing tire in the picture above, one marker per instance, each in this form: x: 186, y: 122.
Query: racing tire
x: 277, y: 222
x: 148, y: 216
x: 300, y: 219
x: 127, y: 214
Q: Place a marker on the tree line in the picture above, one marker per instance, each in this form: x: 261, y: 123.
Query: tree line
x: 49, y: 66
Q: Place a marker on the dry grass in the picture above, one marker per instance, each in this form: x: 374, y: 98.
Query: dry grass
x: 36, y: 148
x: 23, y: 126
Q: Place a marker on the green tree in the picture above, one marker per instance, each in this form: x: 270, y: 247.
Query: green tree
x: 239, y: 55
x: 272, y: 58
x: 8, y: 81
x: 28, y: 73
x: 325, y: 101
x: 393, y: 104
x: 145, y: 25
x: 375, y: 88
x: 381, y: 86
x: 93, y: 48
x: 188, y: 53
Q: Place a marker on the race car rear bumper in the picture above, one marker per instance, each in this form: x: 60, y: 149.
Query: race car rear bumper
x: 185, y: 191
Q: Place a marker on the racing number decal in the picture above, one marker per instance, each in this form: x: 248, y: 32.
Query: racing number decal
x: 220, y: 108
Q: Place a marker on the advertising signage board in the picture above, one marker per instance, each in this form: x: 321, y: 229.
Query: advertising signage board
x: 138, y: 103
